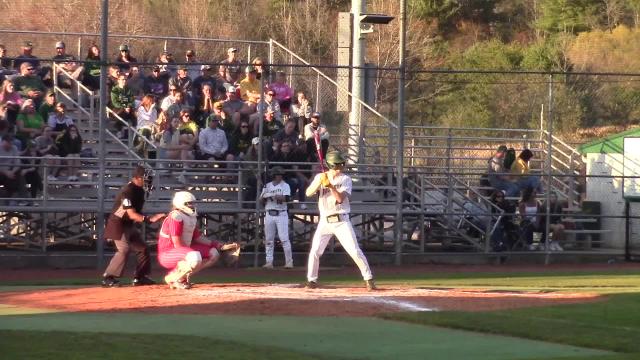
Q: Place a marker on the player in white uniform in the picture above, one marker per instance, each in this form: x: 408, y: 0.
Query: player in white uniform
x: 334, y: 189
x: 275, y: 196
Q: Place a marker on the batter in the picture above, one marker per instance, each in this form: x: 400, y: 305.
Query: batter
x: 275, y: 196
x: 334, y: 189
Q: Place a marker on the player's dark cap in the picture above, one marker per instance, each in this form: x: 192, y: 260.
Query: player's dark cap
x: 139, y: 171
x: 277, y: 170
x: 502, y: 148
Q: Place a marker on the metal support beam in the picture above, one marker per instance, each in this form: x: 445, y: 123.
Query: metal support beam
x: 357, y: 86
x: 104, y: 51
x: 400, y: 152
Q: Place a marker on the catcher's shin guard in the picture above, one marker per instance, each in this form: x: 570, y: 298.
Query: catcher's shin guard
x: 181, y: 271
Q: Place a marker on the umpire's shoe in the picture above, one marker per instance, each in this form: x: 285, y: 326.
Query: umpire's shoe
x: 371, y: 285
x: 311, y: 285
x: 142, y: 281
x: 110, y: 281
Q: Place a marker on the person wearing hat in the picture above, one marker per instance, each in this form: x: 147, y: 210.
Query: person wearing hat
x: 156, y: 84
x: 250, y: 87
x: 310, y: 130
x: 230, y: 69
x: 48, y: 106
x: 67, y: 63
x: 167, y: 64
x: 26, y: 56
x: 498, y: 175
x: 121, y: 230
x: 334, y: 190
x: 275, y: 196
x: 182, y: 81
x: 124, y: 59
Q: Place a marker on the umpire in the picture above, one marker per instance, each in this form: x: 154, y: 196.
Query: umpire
x: 121, y: 229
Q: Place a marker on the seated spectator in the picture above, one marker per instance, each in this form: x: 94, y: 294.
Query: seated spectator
x: 124, y: 60
x: 213, y: 143
x: 69, y: 145
x: 261, y: 70
x: 268, y: 104
x: 167, y: 65
x: 505, y: 233
x: 67, y: 63
x: 193, y: 70
x: 91, y: 76
x: 179, y: 104
x: 28, y: 123
x: 218, y: 92
x: 123, y: 104
x: 48, y: 106
x: 556, y: 226
x: 11, y: 177
x: 250, y: 89
x: 294, y: 176
x: 5, y: 64
x: 170, y: 99
x: 27, y: 57
x: 147, y: 116
x: 301, y: 111
x: 240, y: 140
x: 12, y: 99
x: 310, y: 129
x: 270, y: 126
x: 30, y: 170
x: 182, y: 81
x: 113, y: 72
x: 530, y: 210
x: 498, y: 176
x: 170, y: 147
x: 234, y: 106
x: 45, y: 147
x: 520, y: 169
x: 29, y: 85
x: 155, y: 84
x: 205, y: 105
x: 230, y: 69
x: 283, y: 92
x: 188, y: 128
x: 224, y: 120
x: 59, y: 121
x: 289, y: 134
x: 136, y: 82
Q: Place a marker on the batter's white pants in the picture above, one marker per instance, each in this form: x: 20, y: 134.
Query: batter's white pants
x: 343, y: 231
x: 279, y: 223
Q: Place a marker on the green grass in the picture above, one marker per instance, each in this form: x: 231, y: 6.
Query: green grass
x: 61, y: 345
x: 612, y: 325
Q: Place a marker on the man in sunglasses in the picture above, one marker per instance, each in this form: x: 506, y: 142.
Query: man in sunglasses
x: 28, y: 84
x: 121, y: 229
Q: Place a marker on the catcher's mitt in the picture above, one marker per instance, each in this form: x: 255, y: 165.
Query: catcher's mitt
x: 230, y: 254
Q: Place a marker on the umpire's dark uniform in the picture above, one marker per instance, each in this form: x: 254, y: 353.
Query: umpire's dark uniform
x: 123, y: 232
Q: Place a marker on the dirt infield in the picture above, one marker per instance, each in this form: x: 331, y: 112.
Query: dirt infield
x: 281, y: 299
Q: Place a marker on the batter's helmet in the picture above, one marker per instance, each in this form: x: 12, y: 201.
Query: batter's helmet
x: 334, y: 158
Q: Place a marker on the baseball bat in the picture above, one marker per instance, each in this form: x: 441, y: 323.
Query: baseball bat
x: 316, y: 139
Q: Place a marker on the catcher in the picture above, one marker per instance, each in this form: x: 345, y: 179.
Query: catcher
x: 181, y: 248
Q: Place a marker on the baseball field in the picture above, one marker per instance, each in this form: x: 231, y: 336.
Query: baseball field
x: 420, y: 312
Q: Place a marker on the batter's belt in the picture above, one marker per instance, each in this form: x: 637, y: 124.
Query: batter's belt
x: 274, y: 212
x: 337, y: 218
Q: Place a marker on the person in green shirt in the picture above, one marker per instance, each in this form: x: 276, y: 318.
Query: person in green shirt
x: 28, y: 123
x: 48, y: 105
x: 122, y: 103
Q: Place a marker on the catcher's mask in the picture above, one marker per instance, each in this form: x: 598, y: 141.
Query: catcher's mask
x: 147, y: 178
x: 185, y: 202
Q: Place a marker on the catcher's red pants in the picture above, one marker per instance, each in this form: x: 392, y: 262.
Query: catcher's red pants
x: 168, y: 259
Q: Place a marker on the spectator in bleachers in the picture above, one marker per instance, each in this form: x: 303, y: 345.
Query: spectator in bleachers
x: 218, y: 91
x: 240, y: 140
x: 294, y: 176
x: 188, y: 128
x: 205, y: 105
x: 5, y: 63
x: 10, y: 176
x: 182, y: 81
x: 59, y: 121
x: 310, y: 129
x: 68, y: 63
x: 171, y: 147
x: 301, y: 110
x: 91, y: 76
x: 250, y: 87
x: 261, y: 70
x: 167, y: 65
x: 155, y: 84
x: 180, y: 103
x: 48, y: 106
x: 520, y: 168
x: 498, y: 175
x: 28, y: 123
x: 69, y: 145
x: 112, y: 77
x: 270, y: 126
x: 505, y: 234
x: 147, y: 116
x: 529, y: 209
x: 213, y: 143
x: 170, y: 99
x: 289, y: 133
x: 283, y: 92
x: 12, y: 99
x: 29, y: 84
x: 30, y: 170
x: 27, y: 57
x: 556, y: 226
x: 45, y: 147
x: 124, y: 59
x: 224, y: 120
x: 136, y: 82
x: 193, y: 70
x: 230, y: 69
x: 267, y: 104
x: 123, y: 104
x: 234, y: 106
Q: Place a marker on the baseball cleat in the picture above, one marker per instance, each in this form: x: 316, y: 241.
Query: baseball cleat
x: 311, y: 285
x: 110, y: 281
x: 370, y: 285
x: 267, y: 266
x: 142, y: 281
x: 182, y: 285
x: 288, y: 266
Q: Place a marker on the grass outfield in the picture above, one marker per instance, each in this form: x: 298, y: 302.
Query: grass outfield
x: 612, y: 325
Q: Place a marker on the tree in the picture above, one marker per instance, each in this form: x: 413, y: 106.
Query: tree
x: 571, y: 16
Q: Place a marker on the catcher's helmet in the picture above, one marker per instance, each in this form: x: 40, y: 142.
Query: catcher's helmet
x: 184, y: 201
x: 334, y: 158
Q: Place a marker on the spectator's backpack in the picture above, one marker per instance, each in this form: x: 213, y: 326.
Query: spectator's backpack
x: 509, y: 158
